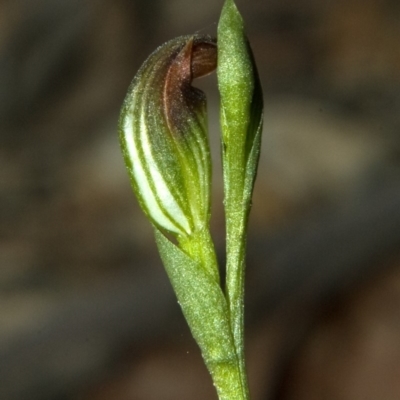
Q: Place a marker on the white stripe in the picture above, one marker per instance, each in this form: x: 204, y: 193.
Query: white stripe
x: 142, y: 181
x: 168, y: 200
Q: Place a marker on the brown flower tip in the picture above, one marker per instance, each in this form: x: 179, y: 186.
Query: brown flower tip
x: 197, y: 58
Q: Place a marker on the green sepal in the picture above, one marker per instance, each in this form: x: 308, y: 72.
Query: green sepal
x: 205, y: 309
x: 163, y: 135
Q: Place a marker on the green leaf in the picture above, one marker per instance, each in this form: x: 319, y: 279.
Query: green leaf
x: 241, y: 99
x: 241, y: 125
x: 206, y: 311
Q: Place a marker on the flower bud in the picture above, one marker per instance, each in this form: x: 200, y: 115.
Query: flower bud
x: 163, y: 135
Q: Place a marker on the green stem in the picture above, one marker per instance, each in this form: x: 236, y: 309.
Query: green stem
x: 227, y: 381
x: 235, y: 294
x: 220, y: 353
x: 236, y: 217
x: 199, y: 246
x: 229, y: 376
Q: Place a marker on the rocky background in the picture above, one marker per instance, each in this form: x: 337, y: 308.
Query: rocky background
x: 86, y: 311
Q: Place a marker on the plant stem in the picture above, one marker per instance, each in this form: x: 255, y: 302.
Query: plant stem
x: 236, y: 217
x: 206, y: 310
x: 229, y: 377
x: 199, y: 246
x: 227, y: 381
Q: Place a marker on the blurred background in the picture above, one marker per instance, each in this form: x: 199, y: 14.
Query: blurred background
x: 86, y: 310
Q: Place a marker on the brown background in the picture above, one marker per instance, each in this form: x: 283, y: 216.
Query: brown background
x: 86, y: 312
